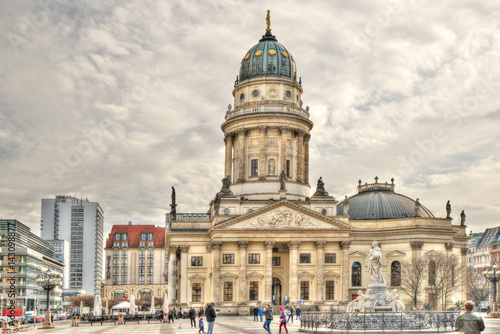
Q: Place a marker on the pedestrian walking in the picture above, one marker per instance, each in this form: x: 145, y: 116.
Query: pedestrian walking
x: 201, y: 312
x: 255, y: 313
x: 181, y: 317
x: 298, y: 311
x: 283, y: 319
x: 469, y: 322
x: 201, y: 326
x: 211, y: 314
x: 170, y: 315
x: 261, y: 313
x: 269, y: 317
x: 290, y: 315
x: 192, y: 317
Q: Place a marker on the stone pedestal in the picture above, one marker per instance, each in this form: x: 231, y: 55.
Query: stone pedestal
x: 120, y: 319
x: 380, y: 292
x: 74, y: 322
x: 47, y: 323
x: 494, y: 310
x: 5, y: 326
x: 17, y: 324
x: 282, y: 194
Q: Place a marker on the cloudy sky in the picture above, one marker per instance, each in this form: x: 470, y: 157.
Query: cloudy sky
x: 117, y: 101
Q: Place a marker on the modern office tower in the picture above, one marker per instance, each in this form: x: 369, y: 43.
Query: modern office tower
x: 80, y: 222
x: 29, y: 257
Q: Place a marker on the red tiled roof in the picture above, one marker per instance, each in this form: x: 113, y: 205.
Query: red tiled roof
x: 134, y: 234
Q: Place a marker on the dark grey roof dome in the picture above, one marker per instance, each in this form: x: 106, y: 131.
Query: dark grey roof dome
x: 379, y: 201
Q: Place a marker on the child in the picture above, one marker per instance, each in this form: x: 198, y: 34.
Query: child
x: 201, y: 326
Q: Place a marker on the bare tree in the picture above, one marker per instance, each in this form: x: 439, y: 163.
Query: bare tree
x: 413, y: 275
x: 443, y: 277
x: 477, y: 286
x: 87, y: 301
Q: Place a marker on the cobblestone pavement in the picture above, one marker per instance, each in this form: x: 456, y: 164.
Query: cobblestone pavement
x: 223, y: 325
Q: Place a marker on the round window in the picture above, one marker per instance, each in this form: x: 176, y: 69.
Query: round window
x: 323, y: 212
x: 226, y: 211
x: 242, y: 98
x: 288, y: 94
x: 255, y: 93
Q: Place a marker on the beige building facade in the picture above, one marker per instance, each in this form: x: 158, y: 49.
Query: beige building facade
x: 267, y: 237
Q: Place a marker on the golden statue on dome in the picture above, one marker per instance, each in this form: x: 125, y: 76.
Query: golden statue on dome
x: 268, y: 21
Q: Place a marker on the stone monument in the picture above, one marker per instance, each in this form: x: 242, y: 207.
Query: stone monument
x: 378, y: 286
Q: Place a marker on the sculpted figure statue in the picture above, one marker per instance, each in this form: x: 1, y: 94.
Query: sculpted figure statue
x: 229, y: 107
x: 417, y: 208
x: 393, y: 301
x: 282, y: 180
x: 462, y: 218
x: 369, y: 302
x: 356, y: 304
x: 345, y: 206
x: 321, y: 184
x: 448, y: 209
x: 375, y: 264
x: 217, y: 204
x: 272, y: 168
x: 226, y: 182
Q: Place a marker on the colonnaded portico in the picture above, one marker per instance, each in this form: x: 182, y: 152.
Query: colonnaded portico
x: 266, y: 236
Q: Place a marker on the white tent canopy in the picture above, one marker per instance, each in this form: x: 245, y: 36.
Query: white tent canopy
x: 122, y: 305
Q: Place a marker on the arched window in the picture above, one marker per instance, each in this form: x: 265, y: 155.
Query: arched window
x: 356, y: 274
x: 144, y: 293
x: 396, y: 273
x: 119, y: 295
x: 432, y: 272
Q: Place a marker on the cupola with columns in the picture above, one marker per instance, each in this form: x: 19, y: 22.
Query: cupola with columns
x: 268, y: 130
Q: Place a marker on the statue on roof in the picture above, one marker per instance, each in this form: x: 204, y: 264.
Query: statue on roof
x: 448, y: 209
x: 345, y: 206
x: 462, y: 218
x: 173, y: 210
x: 417, y: 208
x: 226, y: 182
x: 268, y: 21
x: 321, y: 184
x: 217, y: 204
x: 282, y: 180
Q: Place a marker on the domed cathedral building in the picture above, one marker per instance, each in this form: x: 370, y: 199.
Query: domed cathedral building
x: 267, y: 236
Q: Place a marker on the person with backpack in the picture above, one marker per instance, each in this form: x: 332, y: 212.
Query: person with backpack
x: 283, y: 319
x: 181, y: 317
x: 192, y: 316
x: 290, y: 314
x: 269, y: 317
x: 211, y: 314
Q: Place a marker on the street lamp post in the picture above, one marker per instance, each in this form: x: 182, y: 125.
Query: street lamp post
x: 493, y: 275
x: 48, y: 282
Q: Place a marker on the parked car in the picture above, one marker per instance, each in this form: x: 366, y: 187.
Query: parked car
x: 39, y: 318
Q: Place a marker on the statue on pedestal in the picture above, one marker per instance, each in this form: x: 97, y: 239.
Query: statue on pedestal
x: 393, y: 301
x: 356, y: 304
x: 417, y: 208
x: 345, y: 206
x: 369, y: 302
x: 462, y: 218
x: 173, y: 210
x: 283, y: 180
x: 448, y: 209
x: 375, y: 264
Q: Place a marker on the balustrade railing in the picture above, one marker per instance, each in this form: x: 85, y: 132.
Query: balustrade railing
x: 268, y: 108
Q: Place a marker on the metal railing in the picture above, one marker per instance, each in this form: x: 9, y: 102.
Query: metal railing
x: 412, y: 320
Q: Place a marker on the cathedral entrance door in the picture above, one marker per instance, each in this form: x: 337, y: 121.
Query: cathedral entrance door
x: 276, y: 291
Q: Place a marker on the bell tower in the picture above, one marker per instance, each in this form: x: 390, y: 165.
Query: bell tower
x: 268, y: 130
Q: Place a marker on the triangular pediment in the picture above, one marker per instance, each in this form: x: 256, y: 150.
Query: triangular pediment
x: 229, y: 275
x: 396, y: 254
x: 331, y: 274
x: 305, y: 274
x: 358, y: 255
x: 197, y: 276
x: 255, y: 274
x: 283, y: 216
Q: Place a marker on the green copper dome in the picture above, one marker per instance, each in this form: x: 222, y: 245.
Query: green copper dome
x: 267, y: 58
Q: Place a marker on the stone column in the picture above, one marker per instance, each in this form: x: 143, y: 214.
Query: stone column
x: 449, y: 247
x: 416, y: 248
x: 216, y: 292
x: 241, y: 155
x: 229, y: 155
x: 300, y: 157
x: 243, y: 272
x: 283, y: 130
x: 172, y: 278
x: 463, y: 283
x: 294, y: 268
x: 320, y: 261
x: 262, y: 152
x: 306, y: 158
x: 268, y: 279
x: 184, y: 280
x: 344, y: 245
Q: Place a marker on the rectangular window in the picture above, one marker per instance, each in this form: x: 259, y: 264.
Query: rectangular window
x: 228, y: 291
x: 141, y: 280
x: 124, y: 254
x: 124, y: 280
x: 141, y: 271
x: 116, y: 244
x: 115, y: 263
x: 254, y: 258
x: 150, y: 280
x: 150, y: 244
x: 124, y: 262
x: 115, y: 271
x: 228, y: 259
x: 255, y: 167
x: 150, y: 253
x: 150, y: 262
x: 330, y: 290
x: 124, y: 271
x: 196, y: 292
x: 116, y: 254
x: 115, y: 280
x: 304, y: 290
x: 142, y: 244
x: 254, y: 290
x: 118, y: 236
x: 142, y: 254
x: 330, y: 258
x: 196, y: 261
x: 141, y: 263
x: 288, y: 168
x: 305, y: 258
x: 150, y: 271
x: 276, y: 261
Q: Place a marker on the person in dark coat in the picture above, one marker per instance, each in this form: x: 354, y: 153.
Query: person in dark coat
x: 297, y: 312
x: 192, y: 317
x: 181, y: 317
x: 201, y: 312
x: 201, y: 326
x: 170, y: 315
x: 269, y: 317
x: 211, y: 314
x: 255, y: 313
x: 290, y: 315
